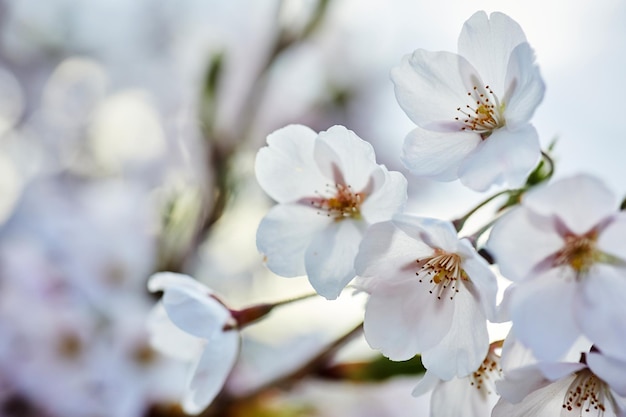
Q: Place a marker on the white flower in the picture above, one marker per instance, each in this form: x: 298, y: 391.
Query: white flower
x: 205, y: 321
x: 470, y: 396
x: 473, y: 108
x: 596, y: 387
x: 564, y: 249
x: 329, y: 189
x: 429, y: 292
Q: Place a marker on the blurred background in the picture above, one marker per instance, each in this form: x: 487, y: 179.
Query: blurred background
x: 128, y: 131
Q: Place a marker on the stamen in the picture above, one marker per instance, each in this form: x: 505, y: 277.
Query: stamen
x: 344, y: 204
x: 587, y: 393
x: 484, y: 114
x: 485, y: 377
x: 443, y: 270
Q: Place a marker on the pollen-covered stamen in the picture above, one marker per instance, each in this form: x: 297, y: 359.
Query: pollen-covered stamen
x: 484, y: 114
x: 485, y: 377
x: 588, y: 394
x: 344, y: 203
x: 579, y: 252
x: 443, y: 270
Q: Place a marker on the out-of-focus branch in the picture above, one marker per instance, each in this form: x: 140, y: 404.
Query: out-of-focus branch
x: 315, y: 366
x: 220, y: 149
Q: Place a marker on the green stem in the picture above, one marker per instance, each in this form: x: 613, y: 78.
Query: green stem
x: 460, y: 222
x: 513, y: 194
x: 546, y: 157
x: 473, y: 238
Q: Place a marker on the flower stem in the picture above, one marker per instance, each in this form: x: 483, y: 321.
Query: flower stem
x: 254, y: 313
x: 514, y: 195
x: 473, y: 238
x: 315, y: 365
x: 548, y: 159
x: 460, y: 222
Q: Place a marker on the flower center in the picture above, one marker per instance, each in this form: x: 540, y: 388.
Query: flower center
x: 344, y: 204
x: 442, y: 270
x: 484, y: 115
x: 587, y: 393
x: 579, y: 252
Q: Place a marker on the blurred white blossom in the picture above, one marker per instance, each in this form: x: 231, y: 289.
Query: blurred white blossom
x: 80, y: 266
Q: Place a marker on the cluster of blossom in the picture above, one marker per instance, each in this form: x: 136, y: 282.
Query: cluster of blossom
x: 340, y: 218
x: 94, y: 148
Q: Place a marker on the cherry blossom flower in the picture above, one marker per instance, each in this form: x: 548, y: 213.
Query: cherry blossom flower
x: 329, y: 189
x: 429, y: 292
x: 204, y: 328
x: 594, y: 387
x: 471, y: 396
x: 473, y: 108
x: 564, y: 250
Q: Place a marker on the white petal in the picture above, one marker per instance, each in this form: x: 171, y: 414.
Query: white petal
x: 521, y: 240
x: 344, y: 158
x: 457, y: 397
x: 406, y: 319
x: 437, y: 155
x: 581, y: 202
x: 426, y: 384
x: 211, y: 371
x: 465, y: 346
x: 284, y: 234
x: 526, y: 87
x: 557, y: 370
x: 487, y: 44
x: 611, y: 241
x: 170, y: 340
x: 387, y: 257
x: 429, y: 88
x: 542, y: 311
x: 544, y: 402
x: 602, y: 310
x: 286, y: 169
x: 503, y: 310
x: 505, y: 157
x: 515, y: 355
x: 195, y: 313
x: 387, y: 200
x: 329, y: 259
x: 484, y: 282
x: 519, y: 383
x: 610, y: 370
